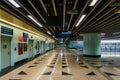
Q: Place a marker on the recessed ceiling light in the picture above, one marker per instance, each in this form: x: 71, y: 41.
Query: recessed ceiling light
x: 34, y: 20
x: 49, y: 33
x: 80, y: 20
x: 13, y: 2
x: 93, y: 2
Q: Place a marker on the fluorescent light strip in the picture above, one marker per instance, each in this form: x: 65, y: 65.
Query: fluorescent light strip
x: 49, y: 32
x: 34, y: 20
x: 80, y: 20
x: 14, y: 3
x: 110, y: 41
x: 93, y: 2
x: 116, y: 33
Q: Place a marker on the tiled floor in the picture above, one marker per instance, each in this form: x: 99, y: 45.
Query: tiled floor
x: 61, y: 64
x: 108, y: 66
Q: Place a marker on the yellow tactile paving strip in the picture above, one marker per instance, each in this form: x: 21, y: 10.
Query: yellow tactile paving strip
x: 59, y: 64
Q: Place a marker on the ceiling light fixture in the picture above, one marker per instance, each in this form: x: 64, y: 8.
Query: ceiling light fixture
x: 93, y: 2
x: 116, y: 33
x: 110, y: 41
x: 13, y: 2
x: 34, y: 20
x: 49, y: 33
x: 102, y: 34
x: 80, y: 20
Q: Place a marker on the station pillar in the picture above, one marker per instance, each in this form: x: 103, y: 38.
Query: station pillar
x: 91, y: 45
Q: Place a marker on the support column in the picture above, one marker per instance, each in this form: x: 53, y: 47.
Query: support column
x: 91, y: 46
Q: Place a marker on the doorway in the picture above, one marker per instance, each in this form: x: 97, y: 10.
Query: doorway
x: 5, y: 51
x: 30, y: 49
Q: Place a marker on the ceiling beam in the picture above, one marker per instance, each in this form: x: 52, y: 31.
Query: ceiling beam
x: 41, y: 1
x: 75, y: 5
x: 54, y: 8
x: 64, y: 13
x: 81, y: 13
x: 102, y: 16
x: 36, y: 10
x: 87, y: 16
x: 104, y: 7
x: 111, y: 22
x: 46, y: 11
x: 76, y: 30
x: 28, y: 10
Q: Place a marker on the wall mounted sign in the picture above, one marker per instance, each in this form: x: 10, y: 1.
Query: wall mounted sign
x: 25, y: 35
x: 6, y: 30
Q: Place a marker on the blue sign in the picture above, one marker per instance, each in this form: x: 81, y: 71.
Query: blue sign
x: 6, y: 30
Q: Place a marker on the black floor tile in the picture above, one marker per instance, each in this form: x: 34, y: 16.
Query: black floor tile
x: 81, y: 63
x: 51, y: 66
x: 65, y: 73
x: 31, y: 66
x: 98, y: 66
x: 91, y: 74
x: 64, y: 66
x: 84, y: 66
x: 53, y: 63
x: 22, y: 73
x: 36, y: 63
x: 63, y: 63
x: 111, y: 74
x: 48, y: 73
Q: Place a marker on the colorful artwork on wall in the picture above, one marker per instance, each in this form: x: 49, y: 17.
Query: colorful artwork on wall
x: 20, y: 48
x: 25, y: 39
x: 20, y: 38
x: 25, y: 46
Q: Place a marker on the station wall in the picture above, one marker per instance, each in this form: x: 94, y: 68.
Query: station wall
x: 19, y: 29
